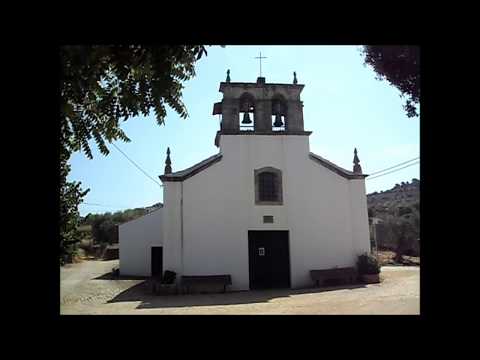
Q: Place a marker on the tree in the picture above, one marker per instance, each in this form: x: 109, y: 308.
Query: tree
x: 371, y: 212
x: 406, y: 231
x: 101, y: 85
x: 104, y: 230
x: 71, y: 196
x: 118, y: 217
x: 400, y: 66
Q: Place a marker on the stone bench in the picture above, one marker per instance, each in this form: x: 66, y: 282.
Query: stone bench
x: 164, y: 285
x: 319, y: 276
x: 189, y: 281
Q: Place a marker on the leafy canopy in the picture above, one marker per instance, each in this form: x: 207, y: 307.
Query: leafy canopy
x: 71, y: 195
x: 101, y: 85
x: 399, y: 65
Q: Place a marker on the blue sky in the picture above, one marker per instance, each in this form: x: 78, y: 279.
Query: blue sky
x: 344, y: 107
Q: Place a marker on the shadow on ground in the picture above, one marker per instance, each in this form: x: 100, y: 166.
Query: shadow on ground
x: 141, y: 293
x: 111, y: 276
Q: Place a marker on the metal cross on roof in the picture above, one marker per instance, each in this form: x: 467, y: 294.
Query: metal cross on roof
x: 260, y: 57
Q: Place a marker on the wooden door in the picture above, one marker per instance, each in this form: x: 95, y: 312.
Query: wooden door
x: 157, y: 261
x: 269, y: 259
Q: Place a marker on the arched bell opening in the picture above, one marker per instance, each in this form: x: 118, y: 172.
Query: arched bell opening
x: 247, y: 113
x: 279, y: 114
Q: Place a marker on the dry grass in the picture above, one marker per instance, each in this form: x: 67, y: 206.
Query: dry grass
x: 386, y: 257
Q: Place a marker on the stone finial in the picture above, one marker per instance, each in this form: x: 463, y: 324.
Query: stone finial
x: 295, y: 81
x: 168, y: 162
x: 228, y: 76
x: 356, y: 161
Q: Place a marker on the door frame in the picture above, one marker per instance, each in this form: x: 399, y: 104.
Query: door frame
x: 288, y: 248
x: 152, y: 257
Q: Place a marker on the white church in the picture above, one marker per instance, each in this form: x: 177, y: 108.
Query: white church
x: 264, y: 209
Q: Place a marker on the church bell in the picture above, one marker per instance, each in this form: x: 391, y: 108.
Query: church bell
x: 278, y: 121
x: 246, y: 118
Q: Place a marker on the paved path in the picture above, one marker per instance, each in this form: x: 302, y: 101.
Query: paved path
x: 81, y: 293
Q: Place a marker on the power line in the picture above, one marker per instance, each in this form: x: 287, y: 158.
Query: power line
x: 380, y: 171
x: 415, y: 163
x: 138, y: 167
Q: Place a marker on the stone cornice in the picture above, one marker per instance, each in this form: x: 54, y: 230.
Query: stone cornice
x: 257, y: 85
x: 335, y: 168
x: 258, y: 132
x: 189, y: 172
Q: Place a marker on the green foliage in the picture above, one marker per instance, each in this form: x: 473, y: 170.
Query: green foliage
x: 371, y: 212
x: 104, y: 227
x: 104, y: 231
x: 367, y: 264
x: 405, y: 229
x: 102, y: 84
x: 71, y: 196
x: 118, y: 217
x: 400, y: 211
x: 399, y: 65
x: 99, y: 86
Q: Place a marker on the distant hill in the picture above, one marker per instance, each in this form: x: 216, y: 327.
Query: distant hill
x: 394, y: 217
x: 405, y: 194
x: 153, y: 207
x: 118, y: 217
x: 103, y: 228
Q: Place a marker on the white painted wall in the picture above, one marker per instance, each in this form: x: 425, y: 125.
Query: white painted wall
x: 172, y: 227
x: 136, y: 238
x: 326, y: 214
x: 359, y: 211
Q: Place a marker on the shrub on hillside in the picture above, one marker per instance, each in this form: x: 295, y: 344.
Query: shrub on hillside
x: 104, y: 231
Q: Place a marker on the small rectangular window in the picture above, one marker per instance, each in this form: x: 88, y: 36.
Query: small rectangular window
x: 268, y: 219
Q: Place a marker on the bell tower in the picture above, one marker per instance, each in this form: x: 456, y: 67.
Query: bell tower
x: 260, y: 108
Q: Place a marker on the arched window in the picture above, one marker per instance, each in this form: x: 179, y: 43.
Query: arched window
x: 279, y: 113
x: 247, y: 112
x: 268, y: 186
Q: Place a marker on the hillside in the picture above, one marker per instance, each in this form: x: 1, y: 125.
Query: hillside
x: 103, y: 228
x: 395, y: 218
x: 120, y: 217
x: 406, y: 194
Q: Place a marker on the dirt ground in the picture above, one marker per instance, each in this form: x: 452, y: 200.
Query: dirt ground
x: 86, y: 288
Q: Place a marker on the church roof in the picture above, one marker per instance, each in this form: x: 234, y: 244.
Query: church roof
x: 202, y: 165
x: 192, y: 170
x: 335, y: 168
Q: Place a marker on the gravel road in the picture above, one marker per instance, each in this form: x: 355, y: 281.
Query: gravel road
x: 83, y: 291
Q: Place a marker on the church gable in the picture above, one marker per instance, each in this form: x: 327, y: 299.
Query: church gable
x: 191, y: 171
x: 335, y: 168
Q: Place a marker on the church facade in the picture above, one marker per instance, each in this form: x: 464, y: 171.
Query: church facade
x: 264, y: 210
